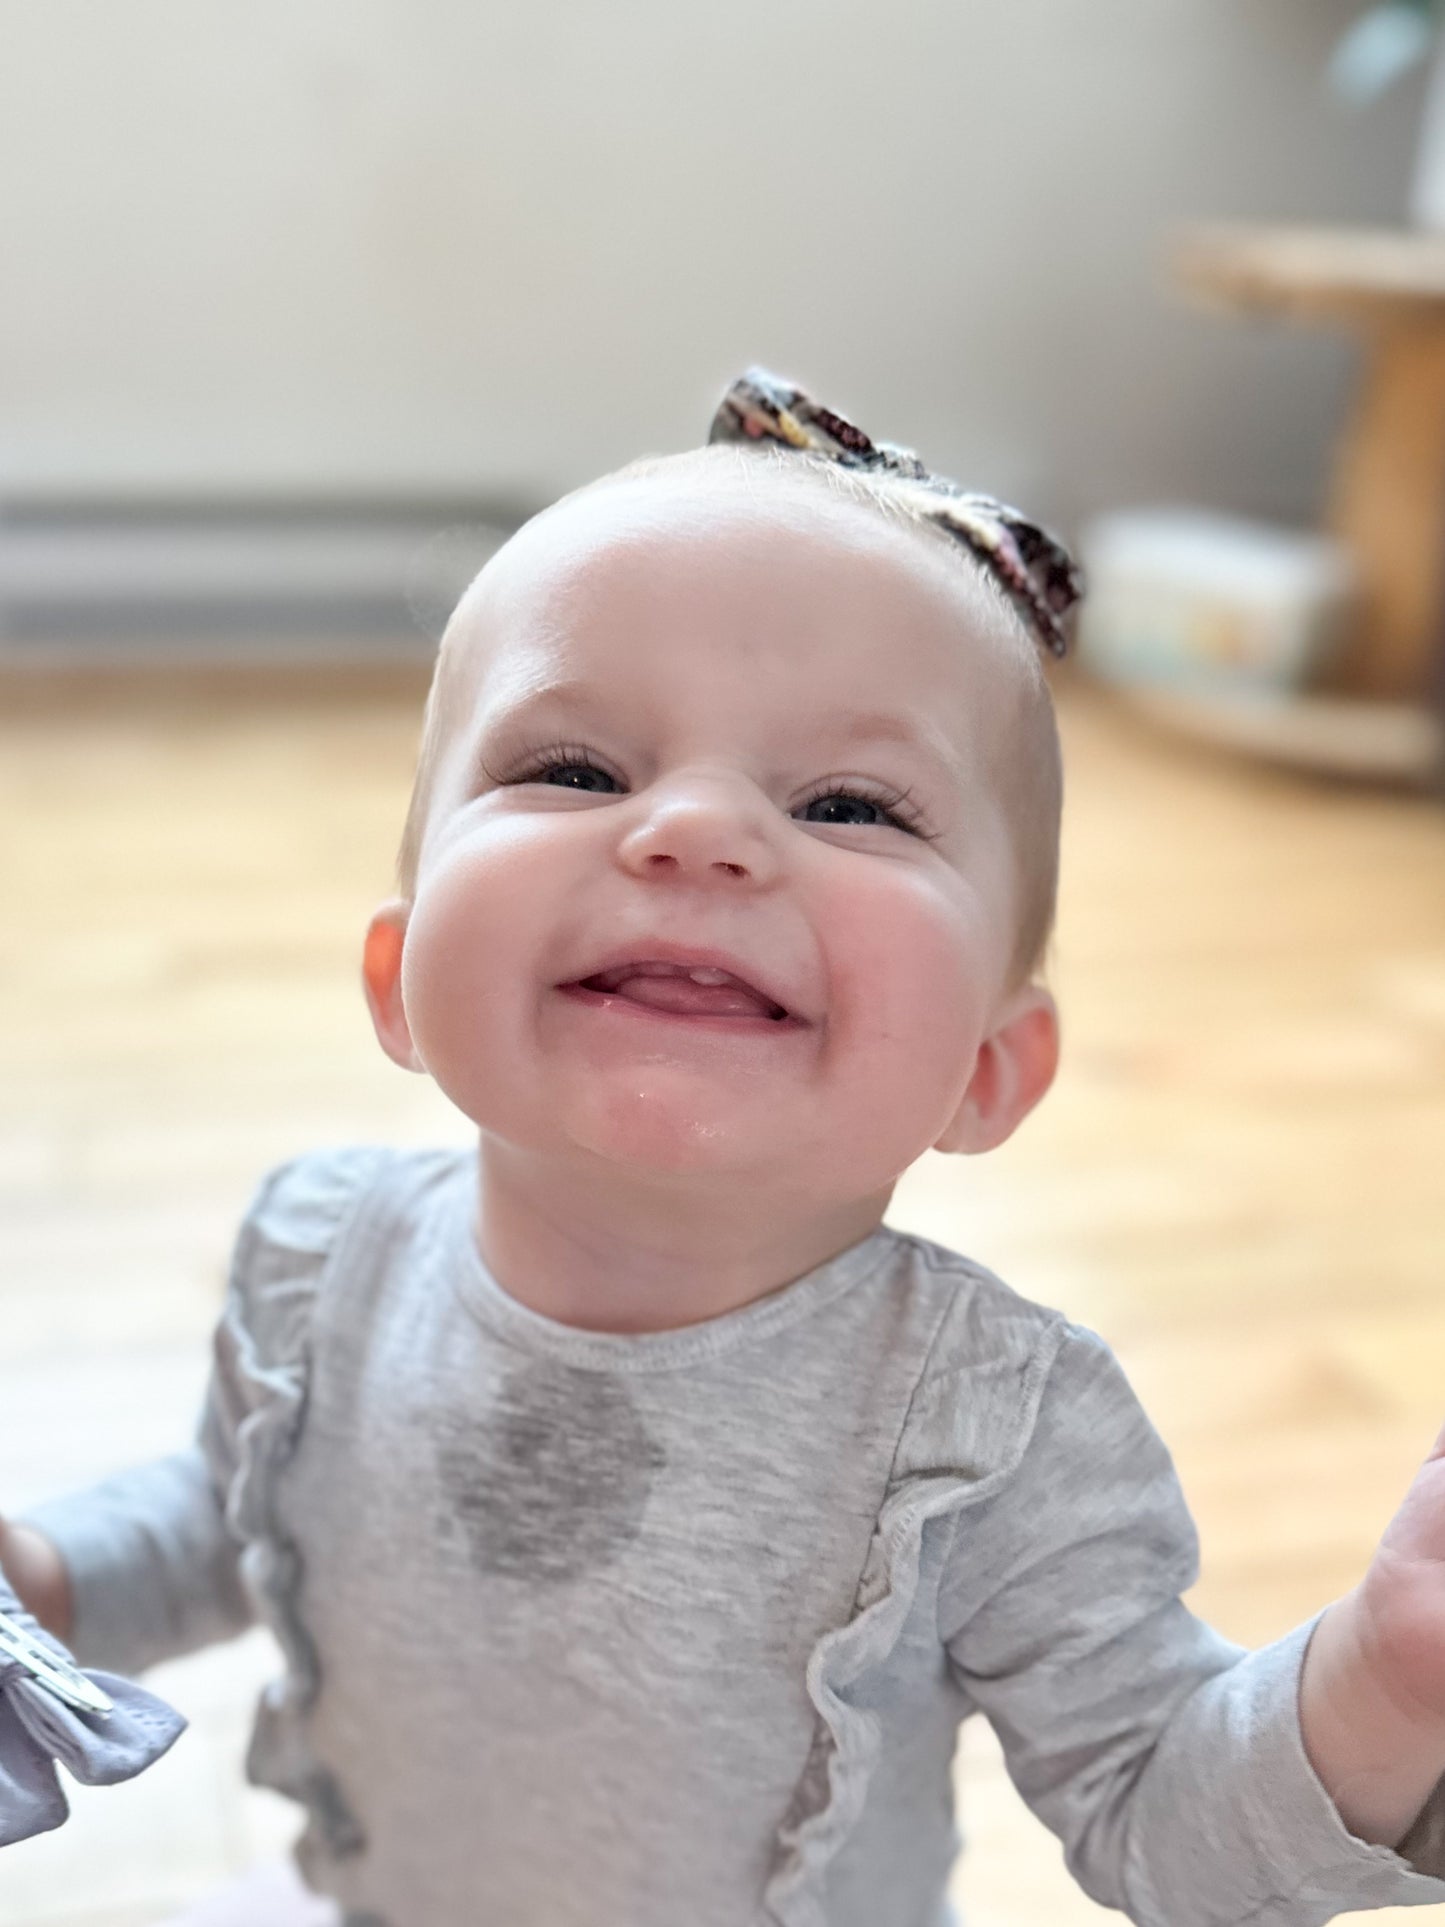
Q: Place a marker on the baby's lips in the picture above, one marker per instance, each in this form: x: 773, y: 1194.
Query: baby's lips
x: 650, y: 955
x: 700, y: 978
x: 714, y: 993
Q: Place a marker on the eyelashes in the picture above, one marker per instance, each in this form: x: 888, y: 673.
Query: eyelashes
x: 895, y: 805
x: 540, y: 761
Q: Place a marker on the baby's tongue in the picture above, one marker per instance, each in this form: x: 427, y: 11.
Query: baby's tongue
x: 701, y: 1000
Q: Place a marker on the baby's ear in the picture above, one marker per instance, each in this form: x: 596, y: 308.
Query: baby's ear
x: 1014, y: 1068
x: 381, y: 976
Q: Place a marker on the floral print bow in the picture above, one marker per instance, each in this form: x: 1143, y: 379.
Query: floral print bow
x: 1033, y: 567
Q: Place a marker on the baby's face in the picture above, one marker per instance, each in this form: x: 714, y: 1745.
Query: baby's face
x: 766, y: 714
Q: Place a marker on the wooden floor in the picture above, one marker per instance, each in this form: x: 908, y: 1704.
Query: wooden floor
x: 1238, y: 1179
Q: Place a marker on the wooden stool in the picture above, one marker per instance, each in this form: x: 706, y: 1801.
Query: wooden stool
x: 1388, y: 493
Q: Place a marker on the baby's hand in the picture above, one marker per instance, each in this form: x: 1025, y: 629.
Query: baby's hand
x: 1372, y: 1692
x: 1401, y: 1600
x: 37, y: 1572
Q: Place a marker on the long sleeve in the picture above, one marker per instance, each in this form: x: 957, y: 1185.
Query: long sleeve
x: 153, y: 1571
x: 155, y: 1554
x: 1168, y: 1760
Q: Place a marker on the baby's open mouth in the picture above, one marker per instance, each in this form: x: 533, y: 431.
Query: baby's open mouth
x: 697, y: 990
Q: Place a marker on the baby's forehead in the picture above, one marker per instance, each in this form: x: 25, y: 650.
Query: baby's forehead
x: 733, y: 530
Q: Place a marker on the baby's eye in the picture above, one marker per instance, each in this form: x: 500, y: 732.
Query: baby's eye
x: 564, y: 775
x: 562, y: 765
x: 838, y: 802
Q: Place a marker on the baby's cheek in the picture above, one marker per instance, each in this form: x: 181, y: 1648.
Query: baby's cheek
x: 906, y: 995
x: 901, y: 955
x: 459, y: 971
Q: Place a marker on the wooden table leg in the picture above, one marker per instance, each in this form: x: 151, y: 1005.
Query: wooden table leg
x: 1388, y: 506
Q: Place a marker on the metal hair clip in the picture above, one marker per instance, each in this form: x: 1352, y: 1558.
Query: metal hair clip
x: 51, y: 1668
x: 1033, y: 566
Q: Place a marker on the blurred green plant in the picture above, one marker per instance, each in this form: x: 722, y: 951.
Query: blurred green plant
x: 1383, y: 44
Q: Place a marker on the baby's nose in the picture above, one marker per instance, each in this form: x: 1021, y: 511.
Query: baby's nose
x: 706, y: 827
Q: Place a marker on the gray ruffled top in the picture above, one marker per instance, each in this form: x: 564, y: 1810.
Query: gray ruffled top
x: 626, y: 1631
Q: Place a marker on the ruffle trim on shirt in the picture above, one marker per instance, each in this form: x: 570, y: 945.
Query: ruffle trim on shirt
x: 829, y: 1798
x: 288, y: 1239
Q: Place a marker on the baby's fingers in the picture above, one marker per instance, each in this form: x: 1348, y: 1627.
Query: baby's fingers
x: 37, y: 1572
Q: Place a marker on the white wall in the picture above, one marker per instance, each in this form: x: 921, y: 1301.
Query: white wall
x: 393, y: 245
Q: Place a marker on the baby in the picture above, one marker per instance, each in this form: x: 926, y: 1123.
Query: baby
x: 639, y: 1515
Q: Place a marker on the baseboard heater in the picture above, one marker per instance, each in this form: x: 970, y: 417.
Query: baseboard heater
x: 369, y: 577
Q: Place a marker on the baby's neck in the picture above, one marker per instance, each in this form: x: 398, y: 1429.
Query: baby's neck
x: 585, y: 1248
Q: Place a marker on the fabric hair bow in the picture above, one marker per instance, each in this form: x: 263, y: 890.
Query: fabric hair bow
x: 1033, y: 567
x: 99, y: 1727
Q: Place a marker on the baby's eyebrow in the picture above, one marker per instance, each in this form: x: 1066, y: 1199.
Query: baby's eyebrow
x: 872, y: 726
x: 508, y: 715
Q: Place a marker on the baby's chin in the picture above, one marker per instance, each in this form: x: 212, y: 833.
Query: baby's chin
x: 660, y: 1131
x: 738, y: 1162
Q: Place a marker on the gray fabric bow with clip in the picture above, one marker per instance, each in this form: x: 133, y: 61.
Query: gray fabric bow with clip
x: 99, y: 1727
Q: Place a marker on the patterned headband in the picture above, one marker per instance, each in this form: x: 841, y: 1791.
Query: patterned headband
x: 1035, y: 569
